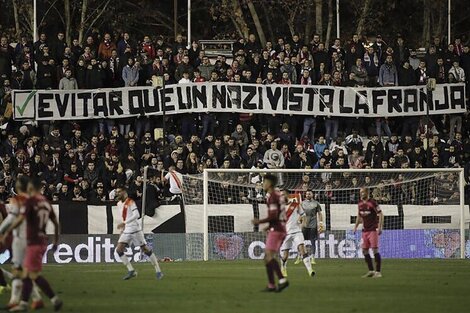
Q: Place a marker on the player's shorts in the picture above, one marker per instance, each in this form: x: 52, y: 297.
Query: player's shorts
x: 274, y: 240
x: 18, y: 249
x: 33, y: 258
x: 137, y: 239
x: 310, y: 234
x: 292, y: 240
x: 370, y: 239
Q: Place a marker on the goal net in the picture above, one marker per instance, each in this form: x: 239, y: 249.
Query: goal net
x: 424, y: 212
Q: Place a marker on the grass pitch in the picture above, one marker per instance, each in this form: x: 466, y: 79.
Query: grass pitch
x: 234, y: 286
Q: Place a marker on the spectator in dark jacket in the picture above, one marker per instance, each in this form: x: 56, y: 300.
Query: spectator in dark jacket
x: 94, y: 75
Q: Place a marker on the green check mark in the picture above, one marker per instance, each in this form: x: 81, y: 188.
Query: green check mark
x: 22, y: 108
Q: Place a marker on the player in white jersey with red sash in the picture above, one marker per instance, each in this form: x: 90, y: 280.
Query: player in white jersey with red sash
x: 294, y: 239
x: 132, y: 234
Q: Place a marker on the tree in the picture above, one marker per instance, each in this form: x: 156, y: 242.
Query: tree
x: 259, y: 27
x: 319, y: 18
x: 426, y: 35
x: 362, y: 18
x: 308, y: 23
x: 330, y: 23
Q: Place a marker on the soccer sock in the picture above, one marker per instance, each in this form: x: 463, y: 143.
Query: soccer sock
x: 378, y: 261
x: 3, y: 282
x: 276, y: 268
x: 154, y: 261
x: 16, y: 286
x: 284, y: 263
x: 36, y: 295
x: 270, y: 272
x: 126, y: 262
x: 313, y: 248
x: 26, y: 290
x: 369, y: 262
x: 45, y: 287
x: 7, y: 274
x: 307, y: 263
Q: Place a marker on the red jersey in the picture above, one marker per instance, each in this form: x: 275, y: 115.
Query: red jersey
x: 368, y: 211
x: 276, y: 211
x: 37, y: 211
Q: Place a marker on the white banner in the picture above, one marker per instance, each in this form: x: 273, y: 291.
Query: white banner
x: 238, y: 98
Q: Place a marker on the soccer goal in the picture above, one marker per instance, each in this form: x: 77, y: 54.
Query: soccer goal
x: 425, y: 215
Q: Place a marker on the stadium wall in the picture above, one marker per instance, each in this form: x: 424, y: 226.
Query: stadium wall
x: 103, y: 218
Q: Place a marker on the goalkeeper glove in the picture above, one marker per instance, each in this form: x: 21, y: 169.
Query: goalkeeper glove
x: 321, y: 227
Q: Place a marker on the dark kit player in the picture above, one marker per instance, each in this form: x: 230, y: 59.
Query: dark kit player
x: 37, y: 212
x: 371, y: 217
x: 276, y: 232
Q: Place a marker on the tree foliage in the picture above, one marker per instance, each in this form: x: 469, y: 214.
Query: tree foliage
x: 417, y: 20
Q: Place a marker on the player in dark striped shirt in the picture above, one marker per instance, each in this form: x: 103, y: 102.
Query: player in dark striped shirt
x: 276, y: 232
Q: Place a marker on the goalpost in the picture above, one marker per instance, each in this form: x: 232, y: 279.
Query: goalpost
x: 425, y: 215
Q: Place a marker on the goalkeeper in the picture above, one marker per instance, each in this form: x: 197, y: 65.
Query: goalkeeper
x: 313, y: 221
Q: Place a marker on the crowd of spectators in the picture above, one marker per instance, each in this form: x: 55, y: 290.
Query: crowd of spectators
x: 86, y: 160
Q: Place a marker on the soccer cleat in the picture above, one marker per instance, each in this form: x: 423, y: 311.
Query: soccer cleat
x: 269, y: 289
x: 298, y: 260
x: 159, y: 275
x: 5, y: 289
x: 58, y: 305
x: 37, y: 305
x: 312, y: 260
x: 311, y: 273
x: 377, y: 275
x: 284, y: 271
x: 282, y: 286
x: 130, y: 274
x: 22, y: 307
x: 368, y: 274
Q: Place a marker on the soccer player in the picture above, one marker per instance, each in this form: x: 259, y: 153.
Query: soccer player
x: 371, y: 217
x: 276, y: 232
x: 37, y: 212
x: 19, y: 244
x: 313, y: 221
x: 4, y: 248
x: 131, y: 233
x: 295, y: 216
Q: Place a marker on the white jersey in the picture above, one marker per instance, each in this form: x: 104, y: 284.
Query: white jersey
x: 176, y: 182
x: 130, y: 216
x: 14, y: 208
x: 294, y: 212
